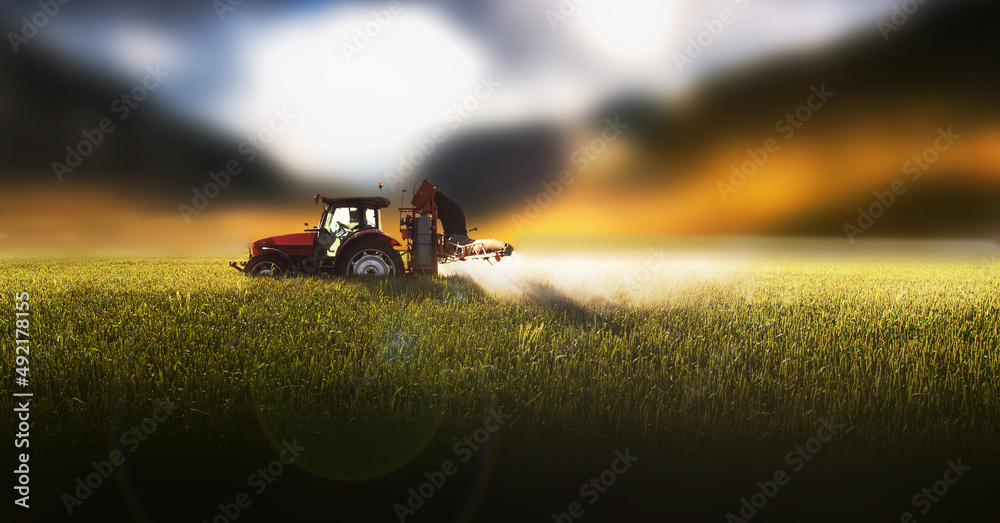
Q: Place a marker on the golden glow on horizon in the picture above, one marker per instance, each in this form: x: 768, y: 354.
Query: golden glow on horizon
x: 828, y: 169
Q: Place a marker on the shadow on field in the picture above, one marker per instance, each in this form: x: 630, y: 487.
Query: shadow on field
x: 545, y: 295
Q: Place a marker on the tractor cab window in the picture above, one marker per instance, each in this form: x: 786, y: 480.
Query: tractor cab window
x: 371, y: 218
x: 363, y: 218
x: 343, y: 221
x: 338, y: 221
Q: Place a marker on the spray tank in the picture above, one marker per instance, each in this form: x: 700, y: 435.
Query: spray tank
x: 428, y: 246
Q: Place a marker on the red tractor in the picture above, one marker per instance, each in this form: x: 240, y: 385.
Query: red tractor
x: 349, y: 241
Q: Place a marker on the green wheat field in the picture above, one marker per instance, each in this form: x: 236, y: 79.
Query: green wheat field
x: 370, y: 375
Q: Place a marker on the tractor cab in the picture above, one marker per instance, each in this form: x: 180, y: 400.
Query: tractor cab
x: 343, y: 218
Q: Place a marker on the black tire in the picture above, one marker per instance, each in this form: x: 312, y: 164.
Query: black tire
x: 369, y: 258
x: 267, y: 264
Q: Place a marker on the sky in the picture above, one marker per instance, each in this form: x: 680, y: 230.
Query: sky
x: 724, y: 118
x: 367, y: 80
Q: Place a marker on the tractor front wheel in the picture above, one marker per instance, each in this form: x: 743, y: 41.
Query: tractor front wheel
x: 368, y: 258
x: 267, y: 264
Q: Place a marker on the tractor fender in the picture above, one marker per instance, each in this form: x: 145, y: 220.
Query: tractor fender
x: 279, y: 253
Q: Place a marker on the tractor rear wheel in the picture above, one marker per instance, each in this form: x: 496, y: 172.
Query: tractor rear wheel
x: 267, y: 264
x: 368, y: 258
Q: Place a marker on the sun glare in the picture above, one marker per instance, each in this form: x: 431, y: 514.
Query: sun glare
x: 362, y: 87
